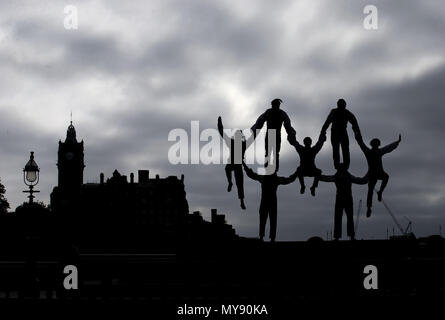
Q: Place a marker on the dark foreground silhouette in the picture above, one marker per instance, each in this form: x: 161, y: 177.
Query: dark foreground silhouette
x: 136, y: 244
x: 284, y: 276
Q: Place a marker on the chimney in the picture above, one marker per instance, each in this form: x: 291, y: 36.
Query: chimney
x: 132, y: 178
x: 182, y: 178
x: 214, y: 214
x: 101, y: 178
x: 143, y: 176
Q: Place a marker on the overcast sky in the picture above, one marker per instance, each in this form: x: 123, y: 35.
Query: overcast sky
x: 134, y: 70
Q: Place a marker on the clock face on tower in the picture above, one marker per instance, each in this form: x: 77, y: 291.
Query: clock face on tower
x: 69, y: 155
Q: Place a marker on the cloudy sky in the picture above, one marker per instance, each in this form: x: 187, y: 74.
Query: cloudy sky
x: 134, y: 70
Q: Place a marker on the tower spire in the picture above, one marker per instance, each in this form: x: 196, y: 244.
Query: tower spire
x: 71, y: 132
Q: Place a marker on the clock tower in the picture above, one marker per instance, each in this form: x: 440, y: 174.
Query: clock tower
x: 70, y: 161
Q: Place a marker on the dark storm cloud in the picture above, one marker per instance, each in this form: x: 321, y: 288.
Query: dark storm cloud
x: 134, y: 71
x: 81, y: 53
x: 217, y: 34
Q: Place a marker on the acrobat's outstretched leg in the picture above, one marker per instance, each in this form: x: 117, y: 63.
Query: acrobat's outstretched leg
x: 345, y: 150
x: 350, y: 218
x: 338, y: 217
x: 385, y: 179
x: 335, y: 150
x: 239, y: 180
x: 371, y: 185
x: 273, y: 223
x: 316, y: 180
x: 301, y: 179
x: 263, y: 220
x: 228, y: 170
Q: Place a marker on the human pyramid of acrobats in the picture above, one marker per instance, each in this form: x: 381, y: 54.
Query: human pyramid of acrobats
x: 338, y: 119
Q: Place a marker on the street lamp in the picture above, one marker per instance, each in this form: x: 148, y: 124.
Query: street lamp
x: 31, y: 176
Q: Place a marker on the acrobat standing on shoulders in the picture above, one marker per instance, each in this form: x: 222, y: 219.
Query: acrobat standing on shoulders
x: 375, y: 166
x: 339, y: 118
x: 307, y: 154
x: 275, y: 118
x: 234, y: 163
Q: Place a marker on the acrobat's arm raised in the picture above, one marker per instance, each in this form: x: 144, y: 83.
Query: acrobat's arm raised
x: 362, y: 145
x: 294, y: 142
x: 288, y: 180
x: 353, y: 120
x: 250, y: 173
x: 259, y: 124
x: 320, y: 142
x: 225, y: 137
x: 391, y: 147
x: 287, y: 125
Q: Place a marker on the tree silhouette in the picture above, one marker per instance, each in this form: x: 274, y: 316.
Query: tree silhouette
x: 4, y: 204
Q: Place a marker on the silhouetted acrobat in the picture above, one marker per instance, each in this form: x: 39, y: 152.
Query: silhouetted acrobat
x: 275, y: 118
x: 268, y: 205
x: 375, y: 166
x: 307, y: 154
x: 339, y: 118
x: 235, y: 144
x: 343, y: 200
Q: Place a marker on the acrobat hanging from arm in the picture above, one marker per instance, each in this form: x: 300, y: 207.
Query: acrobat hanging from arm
x: 268, y: 204
x: 237, y: 146
x: 339, y: 119
x: 375, y: 166
x: 343, y: 201
x: 307, y: 154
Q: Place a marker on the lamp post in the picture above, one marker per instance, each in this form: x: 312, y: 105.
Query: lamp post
x: 31, y: 176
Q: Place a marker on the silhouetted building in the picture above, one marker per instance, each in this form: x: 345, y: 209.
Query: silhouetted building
x: 215, y: 230
x: 117, y: 212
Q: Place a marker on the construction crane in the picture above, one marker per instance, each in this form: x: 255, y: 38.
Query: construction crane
x: 405, y: 233
x: 409, y: 226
